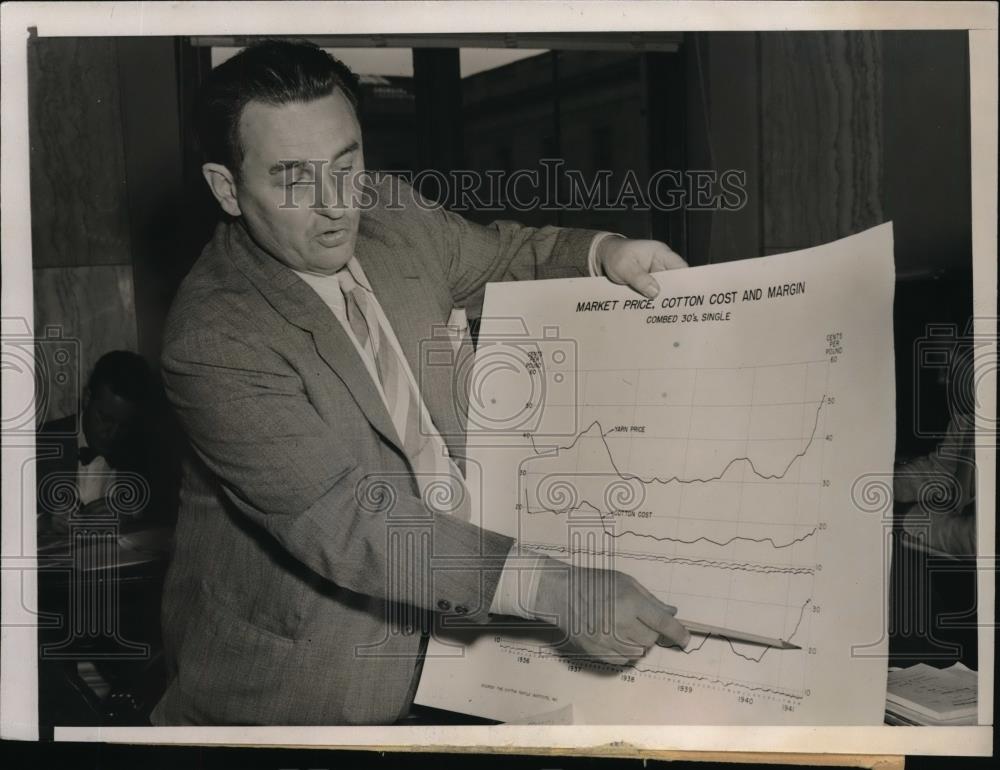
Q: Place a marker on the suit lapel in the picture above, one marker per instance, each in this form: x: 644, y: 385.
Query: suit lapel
x: 403, y: 297
x: 295, y: 300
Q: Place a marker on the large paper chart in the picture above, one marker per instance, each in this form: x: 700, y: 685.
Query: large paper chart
x: 721, y: 443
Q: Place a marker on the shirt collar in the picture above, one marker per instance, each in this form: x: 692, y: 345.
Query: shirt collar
x: 81, y: 437
x: 353, y: 267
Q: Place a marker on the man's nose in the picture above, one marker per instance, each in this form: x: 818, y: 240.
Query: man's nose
x: 333, y: 191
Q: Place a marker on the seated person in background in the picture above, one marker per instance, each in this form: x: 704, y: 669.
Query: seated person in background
x: 80, y: 457
x: 940, y: 488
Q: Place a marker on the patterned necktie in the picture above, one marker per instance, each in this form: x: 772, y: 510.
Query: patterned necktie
x: 437, y: 476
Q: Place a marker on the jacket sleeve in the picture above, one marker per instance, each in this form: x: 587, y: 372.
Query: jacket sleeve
x: 286, y: 469
x: 951, y: 532
x: 473, y: 255
x: 947, y: 472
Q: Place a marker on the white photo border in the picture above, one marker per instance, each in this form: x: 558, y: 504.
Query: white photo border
x: 18, y: 647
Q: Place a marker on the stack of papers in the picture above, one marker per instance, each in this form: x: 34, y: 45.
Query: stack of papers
x: 924, y: 695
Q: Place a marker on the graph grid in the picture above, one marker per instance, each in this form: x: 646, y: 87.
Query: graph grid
x: 706, y: 484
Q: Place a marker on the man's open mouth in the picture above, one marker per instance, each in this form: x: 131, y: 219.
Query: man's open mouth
x: 332, y: 238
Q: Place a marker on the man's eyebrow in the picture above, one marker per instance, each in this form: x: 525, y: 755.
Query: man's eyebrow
x: 352, y: 147
x: 296, y: 165
x: 286, y: 165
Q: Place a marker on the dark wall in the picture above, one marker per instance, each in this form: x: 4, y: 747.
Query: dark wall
x: 84, y: 278
x: 840, y: 131
x: 926, y: 136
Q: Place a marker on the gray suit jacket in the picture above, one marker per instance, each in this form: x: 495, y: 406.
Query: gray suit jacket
x: 305, y: 565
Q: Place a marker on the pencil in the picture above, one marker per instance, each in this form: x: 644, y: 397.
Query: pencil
x: 731, y: 634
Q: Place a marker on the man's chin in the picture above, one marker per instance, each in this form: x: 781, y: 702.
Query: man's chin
x: 331, y: 260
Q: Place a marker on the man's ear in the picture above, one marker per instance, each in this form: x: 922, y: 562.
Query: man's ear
x: 223, y: 186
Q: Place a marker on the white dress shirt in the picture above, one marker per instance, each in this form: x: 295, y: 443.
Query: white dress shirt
x: 517, y: 589
x: 94, y: 479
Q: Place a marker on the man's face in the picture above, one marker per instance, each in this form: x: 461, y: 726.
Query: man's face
x: 107, y: 419
x: 298, y: 188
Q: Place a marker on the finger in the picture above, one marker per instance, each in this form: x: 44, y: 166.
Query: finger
x: 660, y: 617
x: 641, y: 635
x: 644, y: 283
x: 667, y: 259
x: 668, y: 643
x: 633, y: 273
x: 653, y: 610
x: 674, y: 633
x: 649, y: 595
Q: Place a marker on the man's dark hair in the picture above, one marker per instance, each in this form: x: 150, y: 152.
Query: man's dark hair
x: 271, y: 71
x: 125, y: 373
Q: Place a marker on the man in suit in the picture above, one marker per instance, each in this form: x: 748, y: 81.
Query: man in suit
x: 310, y: 560
x: 935, y: 494
x: 82, y: 455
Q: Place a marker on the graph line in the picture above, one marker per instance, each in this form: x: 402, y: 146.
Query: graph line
x: 766, y: 569
x: 596, y: 430
x: 625, y: 476
x: 665, y: 538
x: 736, y: 652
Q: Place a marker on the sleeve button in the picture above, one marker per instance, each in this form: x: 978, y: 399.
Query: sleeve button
x: 461, y: 610
x: 444, y: 604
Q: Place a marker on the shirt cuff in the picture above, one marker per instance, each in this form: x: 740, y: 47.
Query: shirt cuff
x: 592, y: 265
x: 517, y: 589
